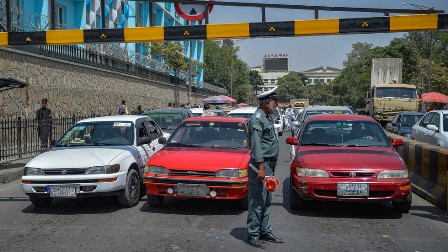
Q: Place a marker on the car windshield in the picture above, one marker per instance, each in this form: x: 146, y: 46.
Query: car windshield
x: 167, y: 121
x: 210, y: 135
x: 277, y: 114
x: 410, y: 120
x: 344, y: 133
x: 394, y: 92
x: 242, y: 115
x: 99, y: 133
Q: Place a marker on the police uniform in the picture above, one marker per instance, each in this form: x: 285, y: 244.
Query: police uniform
x: 264, y: 148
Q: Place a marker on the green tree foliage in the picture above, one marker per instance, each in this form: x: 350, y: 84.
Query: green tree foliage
x: 290, y: 87
x: 255, y: 80
x: 223, y: 68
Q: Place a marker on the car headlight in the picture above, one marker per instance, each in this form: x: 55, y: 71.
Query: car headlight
x: 307, y: 172
x: 30, y: 171
x: 156, y: 170
x: 107, y: 169
x: 231, y: 173
x: 393, y: 174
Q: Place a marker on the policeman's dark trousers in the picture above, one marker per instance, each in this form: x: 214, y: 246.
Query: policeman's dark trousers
x: 259, y: 204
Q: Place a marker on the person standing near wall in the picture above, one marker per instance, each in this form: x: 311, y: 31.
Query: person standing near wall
x: 44, y: 125
x: 122, y: 109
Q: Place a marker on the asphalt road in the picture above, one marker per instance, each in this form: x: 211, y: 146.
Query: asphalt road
x: 206, y: 225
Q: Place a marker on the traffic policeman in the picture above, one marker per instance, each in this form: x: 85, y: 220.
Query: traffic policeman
x: 264, y: 148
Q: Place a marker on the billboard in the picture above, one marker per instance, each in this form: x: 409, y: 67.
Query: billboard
x: 275, y: 64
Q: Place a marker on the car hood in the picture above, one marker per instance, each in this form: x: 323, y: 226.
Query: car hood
x: 78, y: 157
x: 349, y: 158
x: 199, y: 159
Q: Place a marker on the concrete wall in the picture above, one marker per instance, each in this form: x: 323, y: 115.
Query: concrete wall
x: 76, y: 89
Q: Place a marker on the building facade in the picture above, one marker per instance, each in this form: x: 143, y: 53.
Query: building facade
x: 322, y: 74
x: 274, y: 66
x: 33, y: 15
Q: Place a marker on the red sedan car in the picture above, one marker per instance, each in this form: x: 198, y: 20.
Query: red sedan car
x: 205, y: 157
x: 347, y: 158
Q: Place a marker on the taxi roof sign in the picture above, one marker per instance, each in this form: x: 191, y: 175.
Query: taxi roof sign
x: 192, y: 12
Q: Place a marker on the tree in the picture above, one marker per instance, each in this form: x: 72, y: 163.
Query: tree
x: 171, y: 53
x: 255, y: 80
x: 290, y: 87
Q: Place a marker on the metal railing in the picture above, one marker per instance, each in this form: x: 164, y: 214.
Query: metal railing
x: 19, y: 137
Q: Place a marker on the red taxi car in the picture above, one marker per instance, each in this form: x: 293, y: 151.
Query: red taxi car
x: 205, y: 157
x: 347, y: 158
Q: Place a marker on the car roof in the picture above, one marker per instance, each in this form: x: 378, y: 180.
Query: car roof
x: 216, y: 119
x: 247, y: 110
x: 166, y: 110
x: 130, y: 118
x: 318, y: 108
x: 196, y: 110
x: 339, y: 117
x: 441, y: 111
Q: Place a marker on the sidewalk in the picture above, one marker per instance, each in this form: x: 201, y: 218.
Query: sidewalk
x: 12, y: 170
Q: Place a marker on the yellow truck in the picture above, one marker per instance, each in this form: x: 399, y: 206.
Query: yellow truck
x: 387, y: 96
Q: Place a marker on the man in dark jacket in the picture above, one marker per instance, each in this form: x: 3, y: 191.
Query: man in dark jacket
x: 44, y: 124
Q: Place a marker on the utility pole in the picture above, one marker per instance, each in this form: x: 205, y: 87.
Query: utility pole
x: 190, y: 82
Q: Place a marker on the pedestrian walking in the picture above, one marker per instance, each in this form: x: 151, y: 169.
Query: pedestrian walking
x: 208, y: 111
x: 122, y: 109
x: 264, y: 153
x: 289, y: 117
x: 44, y: 125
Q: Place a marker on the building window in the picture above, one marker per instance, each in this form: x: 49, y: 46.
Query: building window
x: 60, y: 17
x: 328, y: 80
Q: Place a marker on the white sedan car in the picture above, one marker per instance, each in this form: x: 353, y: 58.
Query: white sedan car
x: 432, y: 128
x: 96, y: 157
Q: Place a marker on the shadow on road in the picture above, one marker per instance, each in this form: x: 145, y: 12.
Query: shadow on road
x: 98, y: 205
x: 14, y: 199
x: 196, y: 207
x: 239, y: 233
x: 356, y: 210
x: 430, y: 212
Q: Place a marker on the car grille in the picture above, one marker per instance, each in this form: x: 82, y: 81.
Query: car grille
x: 192, y: 173
x: 372, y: 194
x: 352, y: 174
x: 65, y: 171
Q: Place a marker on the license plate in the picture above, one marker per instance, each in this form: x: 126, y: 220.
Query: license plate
x: 63, y: 191
x: 353, y: 189
x: 192, y: 190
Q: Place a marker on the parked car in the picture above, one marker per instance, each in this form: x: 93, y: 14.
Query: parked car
x: 347, y: 158
x: 402, y: 123
x: 205, y: 157
x: 95, y: 157
x: 245, y: 112
x: 432, y: 128
x: 168, y: 119
x: 198, y: 112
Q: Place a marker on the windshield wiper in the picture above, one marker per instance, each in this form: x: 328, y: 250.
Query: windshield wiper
x: 185, y: 145
x: 320, y: 144
x: 358, y: 145
x: 223, y: 147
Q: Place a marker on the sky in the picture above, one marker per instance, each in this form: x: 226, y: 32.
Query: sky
x: 313, y: 51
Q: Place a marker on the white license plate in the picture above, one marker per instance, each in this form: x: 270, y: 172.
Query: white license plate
x: 63, y: 191
x: 353, y: 189
x: 192, y: 190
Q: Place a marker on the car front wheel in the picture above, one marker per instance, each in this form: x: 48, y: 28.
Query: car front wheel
x: 40, y: 201
x: 155, y: 200
x: 404, y: 206
x: 295, y: 201
x: 131, y: 193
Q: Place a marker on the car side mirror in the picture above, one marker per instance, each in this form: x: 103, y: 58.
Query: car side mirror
x: 162, y: 140
x: 292, y: 141
x: 432, y: 127
x: 397, y: 142
x: 144, y: 140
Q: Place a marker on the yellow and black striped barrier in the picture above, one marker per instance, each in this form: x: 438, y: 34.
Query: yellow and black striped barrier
x: 234, y: 30
x: 428, y: 168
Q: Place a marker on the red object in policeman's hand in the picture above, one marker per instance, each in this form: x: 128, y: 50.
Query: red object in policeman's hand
x: 271, y: 183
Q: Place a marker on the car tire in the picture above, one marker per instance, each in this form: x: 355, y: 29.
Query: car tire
x: 40, y: 201
x: 403, y: 206
x: 295, y: 201
x: 131, y: 194
x: 244, y: 203
x: 155, y: 200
